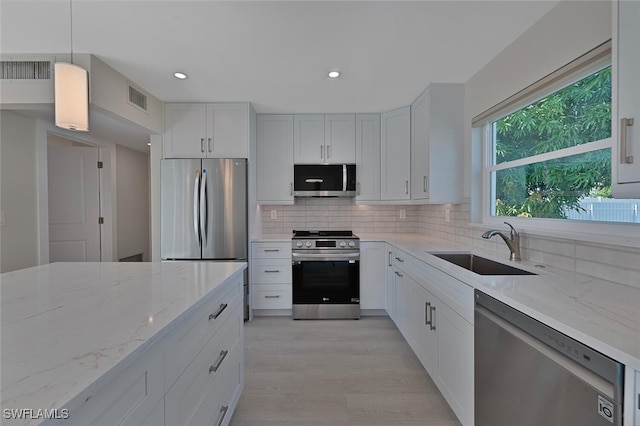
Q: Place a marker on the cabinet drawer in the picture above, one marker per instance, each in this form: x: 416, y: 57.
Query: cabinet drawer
x: 127, y: 399
x: 271, y: 271
x: 221, y: 397
x: 182, y: 400
x: 272, y: 296
x: 271, y: 250
x: 190, y: 337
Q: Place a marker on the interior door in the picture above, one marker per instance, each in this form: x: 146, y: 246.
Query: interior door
x: 74, y: 204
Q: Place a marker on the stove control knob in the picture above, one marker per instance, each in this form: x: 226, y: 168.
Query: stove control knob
x: 307, y: 244
x: 352, y: 244
x: 343, y: 244
x: 299, y: 244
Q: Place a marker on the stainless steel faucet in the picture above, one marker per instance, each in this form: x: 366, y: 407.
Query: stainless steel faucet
x: 512, y: 241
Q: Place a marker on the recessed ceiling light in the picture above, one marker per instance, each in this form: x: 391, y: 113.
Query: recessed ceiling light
x: 334, y: 74
x: 180, y: 75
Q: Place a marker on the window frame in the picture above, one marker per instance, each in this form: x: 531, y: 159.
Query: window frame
x: 482, y: 133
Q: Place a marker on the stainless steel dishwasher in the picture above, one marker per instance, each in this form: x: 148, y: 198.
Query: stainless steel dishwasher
x: 528, y: 374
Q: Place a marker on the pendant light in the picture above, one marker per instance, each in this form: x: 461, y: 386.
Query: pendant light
x: 71, y: 91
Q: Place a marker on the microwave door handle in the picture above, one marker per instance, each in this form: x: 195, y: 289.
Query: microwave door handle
x: 196, y: 206
x: 344, y: 177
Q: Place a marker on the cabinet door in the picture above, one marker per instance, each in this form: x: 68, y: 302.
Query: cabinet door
x: 228, y: 130
x: 403, y: 295
x: 368, y: 157
x: 420, y: 147
x: 340, y: 138
x: 309, y: 139
x: 391, y: 284
x: 395, y: 145
x: 425, y: 307
x: 275, y: 159
x: 455, y: 361
x: 628, y: 92
x: 185, y: 131
x: 372, y: 275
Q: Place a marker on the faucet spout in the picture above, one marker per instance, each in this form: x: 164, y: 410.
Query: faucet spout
x: 512, y: 241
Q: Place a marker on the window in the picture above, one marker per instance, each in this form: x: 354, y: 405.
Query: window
x: 551, y: 159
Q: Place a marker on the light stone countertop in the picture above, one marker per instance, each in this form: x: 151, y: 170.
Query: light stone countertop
x: 601, y: 314
x: 66, y: 327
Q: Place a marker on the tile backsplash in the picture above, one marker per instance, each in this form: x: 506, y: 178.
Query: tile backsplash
x: 614, y: 263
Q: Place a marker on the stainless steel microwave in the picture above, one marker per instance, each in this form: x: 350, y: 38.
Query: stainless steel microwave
x: 324, y: 180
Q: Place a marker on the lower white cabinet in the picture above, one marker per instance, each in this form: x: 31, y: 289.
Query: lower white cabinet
x: 271, y: 279
x: 372, y: 275
x: 440, y: 333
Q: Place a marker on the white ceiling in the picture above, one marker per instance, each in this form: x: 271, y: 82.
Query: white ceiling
x: 277, y: 54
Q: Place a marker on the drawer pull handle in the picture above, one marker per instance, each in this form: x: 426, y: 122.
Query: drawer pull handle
x: 223, y: 413
x: 398, y: 274
x: 217, y: 313
x: 272, y: 271
x: 399, y: 260
x: 432, y: 311
x: 272, y: 297
x: 221, y: 358
x: 271, y: 250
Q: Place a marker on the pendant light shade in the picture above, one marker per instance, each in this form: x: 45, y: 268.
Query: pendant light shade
x: 71, y: 86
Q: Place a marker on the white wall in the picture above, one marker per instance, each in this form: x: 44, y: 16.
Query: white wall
x: 132, y: 189
x: 18, y: 192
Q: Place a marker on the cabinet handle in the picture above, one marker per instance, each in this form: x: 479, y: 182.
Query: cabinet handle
x: 358, y: 188
x: 201, y: 144
x: 272, y: 271
x: 291, y: 188
x: 217, y: 313
x: 398, y: 274
x: 271, y: 250
x: 406, y: 186
x: 624, y: 123
x: 321, y: 152
x: 268, y: 296
x: 328, y: 151
x: 223, y: 413
x: 216, y: 365
x: 210, y: 144
x: 432, y: 310
x: 424, y: 184
x: 427, y: 305
x: 399, y: 259
x: 390, y: 254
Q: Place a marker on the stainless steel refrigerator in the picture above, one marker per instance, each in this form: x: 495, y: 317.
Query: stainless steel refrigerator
x: 203, y: 211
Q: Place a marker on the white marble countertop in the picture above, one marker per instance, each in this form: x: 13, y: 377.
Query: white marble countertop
x: 65, y: 326
x: 599, y: 313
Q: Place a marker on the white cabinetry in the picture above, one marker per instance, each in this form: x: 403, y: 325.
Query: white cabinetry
x: 395, y: 150
x: 437, y: 144
x: 368, y: 157
x: 626, y: 65
x: 328, y: 139
x: 274, y: 159
x: 391, y: 283
x: 434, y: 312
x: 271, y: 277
x: 372, y: 275
x: 218, y: 130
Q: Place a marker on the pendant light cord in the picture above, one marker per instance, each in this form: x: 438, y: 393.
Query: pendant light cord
x: 71, y: 27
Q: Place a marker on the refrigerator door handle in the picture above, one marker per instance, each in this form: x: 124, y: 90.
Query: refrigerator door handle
x: 196, y: 206
x: 203, y: 208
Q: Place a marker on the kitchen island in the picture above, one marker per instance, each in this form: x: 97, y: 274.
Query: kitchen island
x: 106, y: 343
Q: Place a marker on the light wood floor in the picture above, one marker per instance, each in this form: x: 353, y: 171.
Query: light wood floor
x: 338, y: 373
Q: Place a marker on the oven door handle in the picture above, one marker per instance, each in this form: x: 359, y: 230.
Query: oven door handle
x: 325, y: 257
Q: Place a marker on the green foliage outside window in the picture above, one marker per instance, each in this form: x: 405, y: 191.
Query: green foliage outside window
x: 578, y: 114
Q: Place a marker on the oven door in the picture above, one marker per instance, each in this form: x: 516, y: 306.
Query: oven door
x: 326, y: 278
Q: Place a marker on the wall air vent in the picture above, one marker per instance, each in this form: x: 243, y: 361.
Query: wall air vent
x: 25, y: 70
x: 137, y: 98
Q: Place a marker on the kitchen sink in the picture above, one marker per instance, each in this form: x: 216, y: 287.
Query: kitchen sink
x: 481, y: 265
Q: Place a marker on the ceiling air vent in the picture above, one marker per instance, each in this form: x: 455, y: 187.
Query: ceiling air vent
x: 25, y: 70
x: 137, y: 98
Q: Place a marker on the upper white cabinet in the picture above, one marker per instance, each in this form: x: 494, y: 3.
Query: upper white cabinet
x: 368, y: 157
x: 218, y: 130
x: 626, y: 64
x: 274, y: 159
x: 326, y: 139
x: 437, y: 144
x: 395, y: 154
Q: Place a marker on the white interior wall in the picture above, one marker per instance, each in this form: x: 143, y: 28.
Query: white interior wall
x: 18, y: 192
x: 132, y: 189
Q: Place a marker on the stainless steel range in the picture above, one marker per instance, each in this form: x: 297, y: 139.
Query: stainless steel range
x: 326, y: 275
